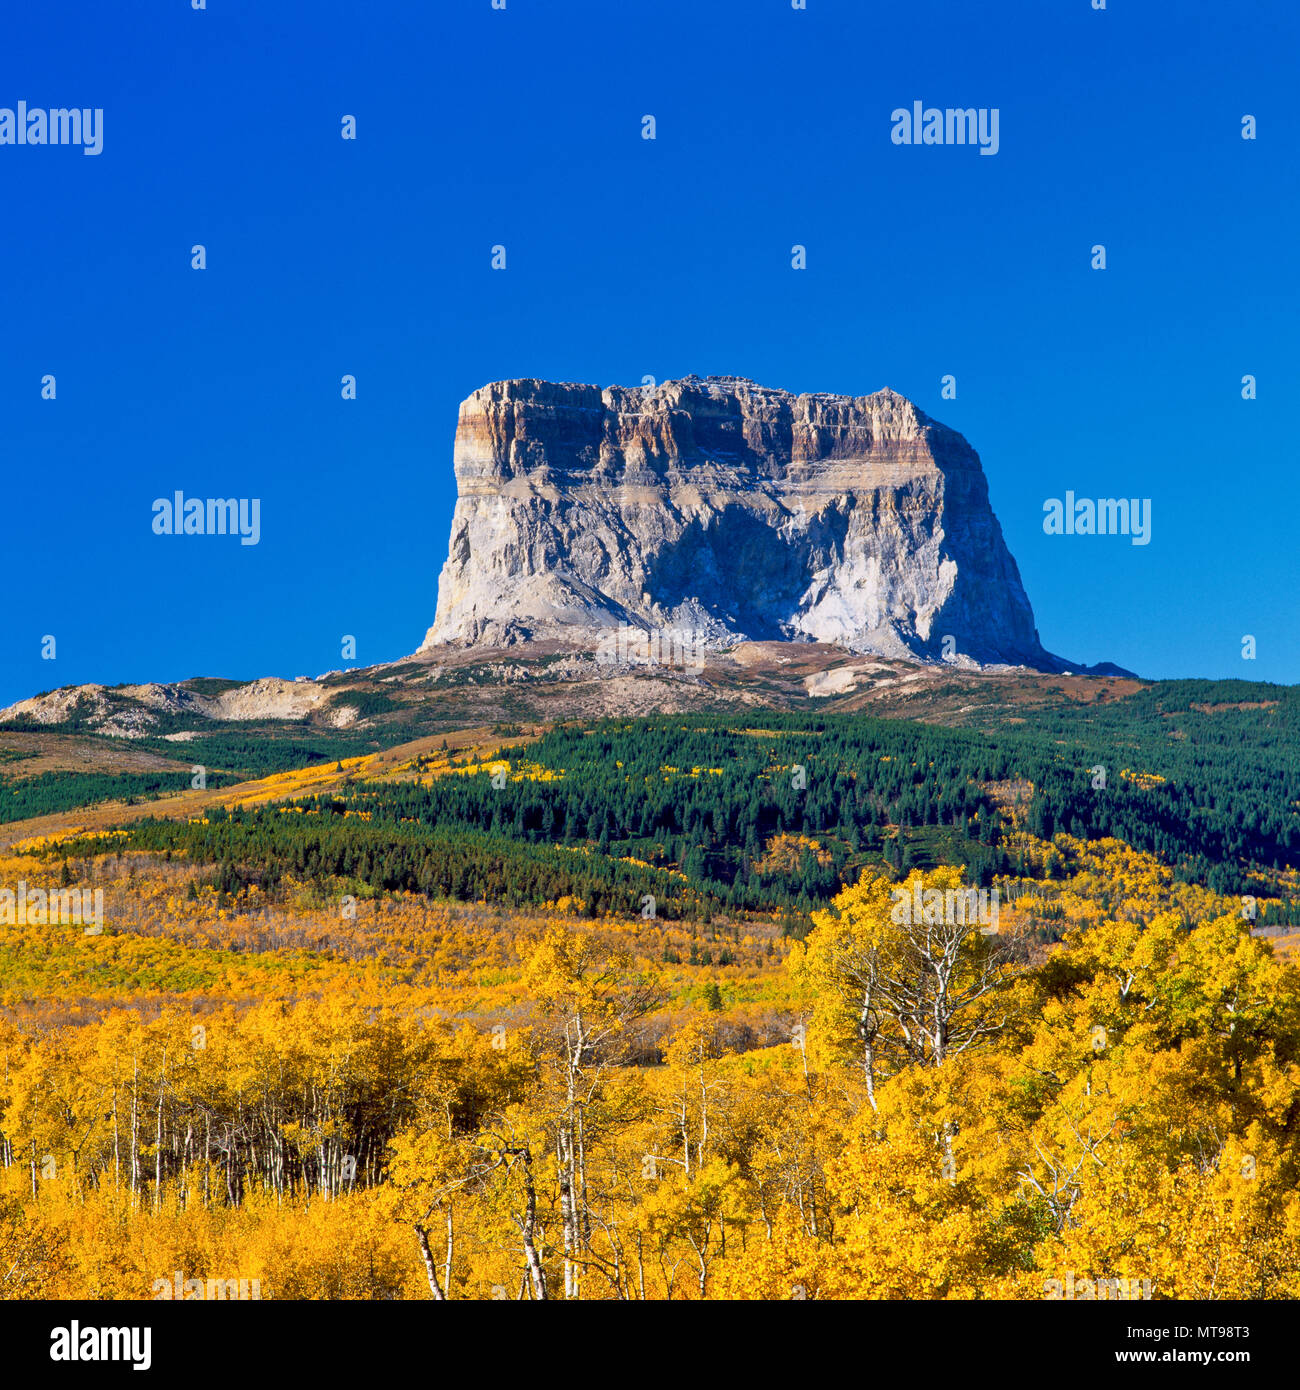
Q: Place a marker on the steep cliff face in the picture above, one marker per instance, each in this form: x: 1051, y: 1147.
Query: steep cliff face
x: 731, y: 510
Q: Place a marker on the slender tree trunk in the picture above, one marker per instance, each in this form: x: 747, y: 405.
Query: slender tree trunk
x: 135, y: 1129
x: 584, y: 1207
x: 868, y: 1056
x: 117, y: 1154
x: 564, y: 1173
x: 704, y: 1119
x: 536, y: 1274
x: 157, y: 1155
x: 451, y: 1239
x: 430, y: 1268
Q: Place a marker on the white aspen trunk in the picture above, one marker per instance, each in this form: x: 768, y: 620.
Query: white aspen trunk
x: 704, y: 1118
x: 564, y: 1166
x: 868, y: 1055
x: 135, y: 1129
x: 536, y: 1274
x: 451, y: 1240
x: 430, y: 1268
x: 584, y: 1208
x: 157, y: 1154
x: 117, y: 1155
x: 566, y: 1157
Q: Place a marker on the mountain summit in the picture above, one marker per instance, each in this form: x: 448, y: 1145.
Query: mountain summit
x: 731, y: 511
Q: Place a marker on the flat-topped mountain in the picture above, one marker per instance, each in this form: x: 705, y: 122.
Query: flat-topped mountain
x: 831, y: 548
x: 729, y: 510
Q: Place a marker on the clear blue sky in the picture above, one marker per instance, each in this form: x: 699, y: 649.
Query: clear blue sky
x: 628, y: 257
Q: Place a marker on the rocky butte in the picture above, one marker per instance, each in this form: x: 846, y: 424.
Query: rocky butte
x: 719, y: 507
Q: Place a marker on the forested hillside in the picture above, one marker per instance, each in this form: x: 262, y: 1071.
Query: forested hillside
x: 684, y: 1007
x: 703, y: 797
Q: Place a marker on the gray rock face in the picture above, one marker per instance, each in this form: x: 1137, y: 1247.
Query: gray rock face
x: 729, y: 510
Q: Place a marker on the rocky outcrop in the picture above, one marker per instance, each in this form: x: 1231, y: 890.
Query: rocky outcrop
x: 728, y: 510
x: 137, y: 711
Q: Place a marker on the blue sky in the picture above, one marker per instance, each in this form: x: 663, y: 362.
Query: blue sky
x: 629, y: 257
